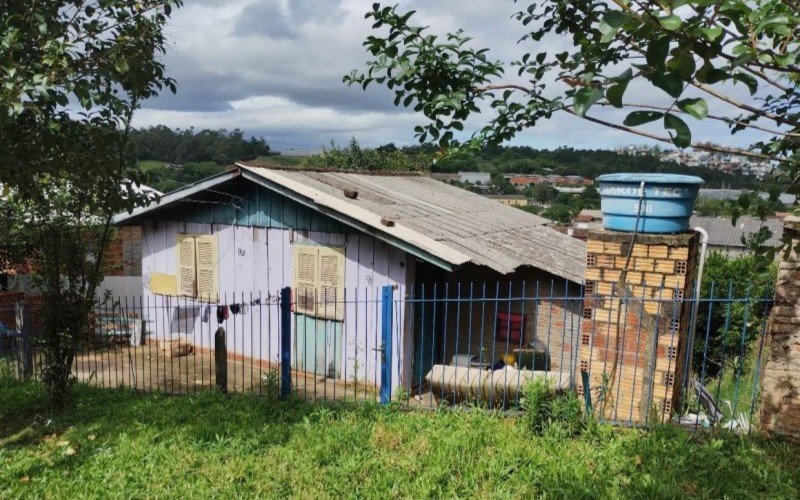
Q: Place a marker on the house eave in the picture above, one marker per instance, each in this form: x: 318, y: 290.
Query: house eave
x: 175, y: 196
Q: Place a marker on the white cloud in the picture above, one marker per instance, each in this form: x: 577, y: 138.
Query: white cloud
x: 274, y: 68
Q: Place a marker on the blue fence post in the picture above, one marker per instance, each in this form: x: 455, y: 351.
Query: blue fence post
x: 286, y: 342
x: 386, y: 339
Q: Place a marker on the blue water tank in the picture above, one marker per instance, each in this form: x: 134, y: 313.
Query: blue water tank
x: 666, y: 207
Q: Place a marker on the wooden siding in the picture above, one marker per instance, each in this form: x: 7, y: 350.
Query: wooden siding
x: 255, y: 263
x: 242, y: 203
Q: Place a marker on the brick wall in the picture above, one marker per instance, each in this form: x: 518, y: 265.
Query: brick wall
x: 124, y: 254
x: 633, y: 332
x: 780, y: 410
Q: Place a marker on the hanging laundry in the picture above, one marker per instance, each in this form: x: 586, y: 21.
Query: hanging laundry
x: 206, y: 314
x: 235, y: 308
x: 245, y: 309
x: 222, y: 313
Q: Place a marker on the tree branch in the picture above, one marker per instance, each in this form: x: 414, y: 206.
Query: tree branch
x: 501, y: 86
x: 719, y: 118
x: 746, y: 107
x: 624, y: 128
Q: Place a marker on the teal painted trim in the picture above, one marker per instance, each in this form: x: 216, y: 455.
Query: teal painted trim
x: 350, y: 222
x: 259, y: 207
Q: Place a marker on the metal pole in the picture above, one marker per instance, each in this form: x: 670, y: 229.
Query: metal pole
x: 286, y: 342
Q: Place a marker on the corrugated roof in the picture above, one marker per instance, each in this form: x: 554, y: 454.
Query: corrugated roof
x: 472, y: 227
x: 722, y: 233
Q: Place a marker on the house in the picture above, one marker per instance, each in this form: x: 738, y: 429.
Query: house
x: 726, y: 238
x: 336, y: 239
x: 512, y: 200
x: 588, y: 219
x: 122, y: 274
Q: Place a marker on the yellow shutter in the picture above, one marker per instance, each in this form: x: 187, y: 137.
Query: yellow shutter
x: 305, y: 279
x: 207, y: 267
x: 187, y: 281
x: 331, y: 283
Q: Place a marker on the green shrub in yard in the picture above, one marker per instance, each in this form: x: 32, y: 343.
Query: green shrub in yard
x: 554, y: 411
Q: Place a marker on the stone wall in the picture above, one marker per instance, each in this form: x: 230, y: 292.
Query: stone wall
x: 780, y: 410
x: 633, y: 335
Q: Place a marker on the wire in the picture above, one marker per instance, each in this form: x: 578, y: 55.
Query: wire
x: 623, y: 292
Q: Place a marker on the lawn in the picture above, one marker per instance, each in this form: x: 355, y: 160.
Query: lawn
x: 120, y: 444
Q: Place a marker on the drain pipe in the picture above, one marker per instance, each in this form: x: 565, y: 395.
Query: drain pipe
x: 696, y: 305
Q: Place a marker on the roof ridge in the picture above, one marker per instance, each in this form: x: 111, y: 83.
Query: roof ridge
x: 325, y: 170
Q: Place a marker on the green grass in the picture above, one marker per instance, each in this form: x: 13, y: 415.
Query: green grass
x: 119, y: 444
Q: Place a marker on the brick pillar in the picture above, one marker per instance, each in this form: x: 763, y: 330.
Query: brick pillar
x: 780, y: 409
x: 633, y: 334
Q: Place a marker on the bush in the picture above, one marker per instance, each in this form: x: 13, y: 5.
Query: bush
x: 548, y: 409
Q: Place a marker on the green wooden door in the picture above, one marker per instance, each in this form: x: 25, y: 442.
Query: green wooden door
x: 318, y: 346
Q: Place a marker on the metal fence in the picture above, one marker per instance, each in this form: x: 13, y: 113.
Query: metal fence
x: 427, y: 346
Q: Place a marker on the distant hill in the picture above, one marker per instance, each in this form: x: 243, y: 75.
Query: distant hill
x: 171, y: 158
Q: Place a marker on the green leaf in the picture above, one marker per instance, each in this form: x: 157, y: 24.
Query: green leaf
x: 615, y: 92
x: 641, y: 117
x: 672, y: 22
x: 749, y: 80
x: 585, y: 98
x: 710, y: 75
x: 657, y: 52
x: 711, y: 34
x: 682, y: 64
x: 683, y: 136
x: 610, y: 24
x: 669, y: 82
x: 697, y: 108
x: 625, y: 76
x: 771, y: 21
x: 121, y: 65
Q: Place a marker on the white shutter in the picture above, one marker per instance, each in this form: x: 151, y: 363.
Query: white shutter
x: 187, y: 274
x: 331, y: 283
x: 207, y: 267
x: 305, y: 279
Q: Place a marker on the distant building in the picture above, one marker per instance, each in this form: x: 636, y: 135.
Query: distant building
x: 726, y: 238
x: 588, y: 219
x: 570, y: 190
x: 512, y: 200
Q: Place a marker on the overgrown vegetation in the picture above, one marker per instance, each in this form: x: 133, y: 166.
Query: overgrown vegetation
x: 74, y: 73
x: 116, y: 442
x: 549, y: 410
x: 734, y: 326
x: 354, y: 157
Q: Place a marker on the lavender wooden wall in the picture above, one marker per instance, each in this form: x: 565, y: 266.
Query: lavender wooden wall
x: 255, y: 263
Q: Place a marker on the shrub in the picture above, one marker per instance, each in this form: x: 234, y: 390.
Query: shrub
x: 546, y: 408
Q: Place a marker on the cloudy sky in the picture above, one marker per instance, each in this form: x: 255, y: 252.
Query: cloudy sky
x: 274, y: 68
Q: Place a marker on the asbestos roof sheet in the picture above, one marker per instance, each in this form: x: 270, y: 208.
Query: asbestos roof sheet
x: 454, y: 224
x: 722, y: 233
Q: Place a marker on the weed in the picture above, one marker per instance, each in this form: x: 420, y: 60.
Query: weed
x: 547, y: 408
x: 272, y: 384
